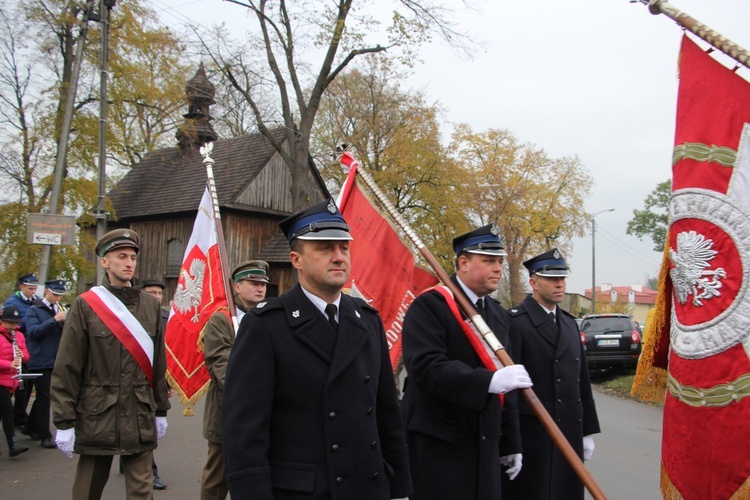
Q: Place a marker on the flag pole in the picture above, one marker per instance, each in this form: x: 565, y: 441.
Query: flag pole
x: 544, y: 417
x: 705, y: 33
x: 209, y: 163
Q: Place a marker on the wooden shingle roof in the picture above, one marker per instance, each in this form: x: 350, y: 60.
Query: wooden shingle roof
x: 171, y: 181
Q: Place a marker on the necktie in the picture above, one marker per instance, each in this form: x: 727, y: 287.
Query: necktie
x: 553, y: 317
x: 331, y: 313
x: 481, y: 310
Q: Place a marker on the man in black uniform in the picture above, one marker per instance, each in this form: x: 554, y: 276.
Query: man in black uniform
x: 458, y: 430
x: 546, y: 340
x: 310, y: 407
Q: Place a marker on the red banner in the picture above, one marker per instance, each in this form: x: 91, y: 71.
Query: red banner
x: 200, y: 292
x: 707, y: 408
x: 383, y: 269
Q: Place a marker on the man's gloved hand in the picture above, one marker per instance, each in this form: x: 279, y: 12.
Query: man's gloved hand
x: 161, y: 427
x: 588, y: 447
x: 65, y: 440
x: 514, y: 463
x: 509, y: 378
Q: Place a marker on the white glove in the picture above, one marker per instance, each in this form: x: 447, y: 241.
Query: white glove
x: 588, y: 447
x: 514, y: 463
x: 161, y: 427
x: 65, y: 440
x: 509, y: 378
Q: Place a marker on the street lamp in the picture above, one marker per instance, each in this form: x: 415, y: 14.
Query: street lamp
x: 593, y: 258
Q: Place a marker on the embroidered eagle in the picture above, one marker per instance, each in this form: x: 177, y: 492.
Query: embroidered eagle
x: 689, y: 275
x: 190, y: 293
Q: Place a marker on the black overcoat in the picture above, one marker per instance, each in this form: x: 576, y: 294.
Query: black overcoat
x: 299, y: 422
x: 556, y: 363
x: 456, y: 430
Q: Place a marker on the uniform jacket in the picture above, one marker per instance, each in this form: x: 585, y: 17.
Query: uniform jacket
x: 43, y: 336
x: 18, y: 300
x: 7, y: 355
x: 456, y: 429
x: 99, y: 388
x: 218, y: 339
x: 309, y: 413
x: 556, y: 363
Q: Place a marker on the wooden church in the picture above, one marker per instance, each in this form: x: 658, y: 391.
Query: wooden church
x: 159, y: 197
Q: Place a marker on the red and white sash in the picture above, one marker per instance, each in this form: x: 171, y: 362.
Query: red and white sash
x: 486, y: 356
x: 124, y: 326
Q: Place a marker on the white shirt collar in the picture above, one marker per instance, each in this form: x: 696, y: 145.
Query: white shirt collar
x: 321, y: 304
x: 548, y: 310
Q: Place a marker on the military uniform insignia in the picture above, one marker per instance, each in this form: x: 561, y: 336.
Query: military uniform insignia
x: 556, y: 254
x: 493, y: 230
x: 514, y: 310
x: 261, y: 305
x: 331, y: 207
x: 689, y: 275
x: 126, y: 234
x: 356, y: 313
x: 295, y: 314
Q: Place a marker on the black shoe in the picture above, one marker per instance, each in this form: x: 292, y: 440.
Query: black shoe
x: 17, y: 450
x: 48, y: 443
x: 24, y: 429
x: 159, y: 484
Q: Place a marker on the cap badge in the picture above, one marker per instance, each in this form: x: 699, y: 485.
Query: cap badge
x: 493, y: 229
x: 331, y: 207
x: 556, y: 254
x: 16, y: 313
x: 295, y: 314
x: 126, y: 234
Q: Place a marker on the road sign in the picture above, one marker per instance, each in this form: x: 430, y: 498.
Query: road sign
x: 43, y: 229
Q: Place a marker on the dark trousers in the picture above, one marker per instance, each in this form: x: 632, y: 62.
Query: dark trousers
x: 6, y: 412
x: 39, y: 415
x: 21, y: 401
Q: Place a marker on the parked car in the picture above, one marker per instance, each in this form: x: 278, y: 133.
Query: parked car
x: 610, y: 340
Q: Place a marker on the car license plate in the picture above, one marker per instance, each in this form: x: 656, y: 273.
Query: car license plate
x: 608, y: 342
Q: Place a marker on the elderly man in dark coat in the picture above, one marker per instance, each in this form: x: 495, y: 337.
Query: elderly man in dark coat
x: 310, y: 407
x: 546, y: 340
x: 458, y: 430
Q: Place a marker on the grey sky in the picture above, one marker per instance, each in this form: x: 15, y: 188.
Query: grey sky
x: 593, y: 78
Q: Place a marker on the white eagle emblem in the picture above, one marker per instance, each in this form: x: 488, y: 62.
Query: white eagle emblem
x: 189, y: 295
x: 689, y: 275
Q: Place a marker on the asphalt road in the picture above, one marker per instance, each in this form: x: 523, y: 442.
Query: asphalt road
x: 625, y: 462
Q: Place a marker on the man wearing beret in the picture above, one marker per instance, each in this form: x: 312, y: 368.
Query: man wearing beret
x: 310, y: 407
x: 546, y: 340
x: 44, y: 326
x: 109, y: 393
x: 460, y: 430
x: 250, y: 280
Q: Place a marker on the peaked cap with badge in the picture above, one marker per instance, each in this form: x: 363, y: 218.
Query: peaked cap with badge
x: 549, y: 264
x: 322, y: 221
x: 55, y: 286
x: 29, y: 279
x: 11, y: 314
x: 117, y: 238
x: 251, y: 270
x: 484, y: 241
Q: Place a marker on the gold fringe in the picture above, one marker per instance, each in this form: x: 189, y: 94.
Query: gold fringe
x: 650, y: 382
x: 669, y: 491
x: 187, y: 402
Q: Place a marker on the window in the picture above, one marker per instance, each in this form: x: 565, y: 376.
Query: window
x: 175, y: 252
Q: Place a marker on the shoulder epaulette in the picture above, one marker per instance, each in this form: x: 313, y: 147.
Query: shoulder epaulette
x: 267, y: 305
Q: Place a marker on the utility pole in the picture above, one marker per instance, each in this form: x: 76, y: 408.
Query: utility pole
x: 593, y: 259
x: 62, y: 142
x: 100, y: 213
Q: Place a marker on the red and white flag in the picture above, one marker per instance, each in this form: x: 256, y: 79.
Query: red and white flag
x: 200, y: 292
x: 383, y: 269
x: 707, y: 405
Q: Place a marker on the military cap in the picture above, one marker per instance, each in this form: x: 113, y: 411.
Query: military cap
x: 549, y: 264
x: 55, y: 286
x: 483, y: 241
x: 151, y: 282
x: 319, y: 222
x: 117, y: 238
x: 251, y: 270
x: 29, y: 279
x: 11, y: 315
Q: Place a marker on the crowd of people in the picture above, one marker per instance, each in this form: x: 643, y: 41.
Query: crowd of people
x: 302, y: 401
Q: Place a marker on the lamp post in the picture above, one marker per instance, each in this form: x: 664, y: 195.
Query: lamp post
x: 593, y: 258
